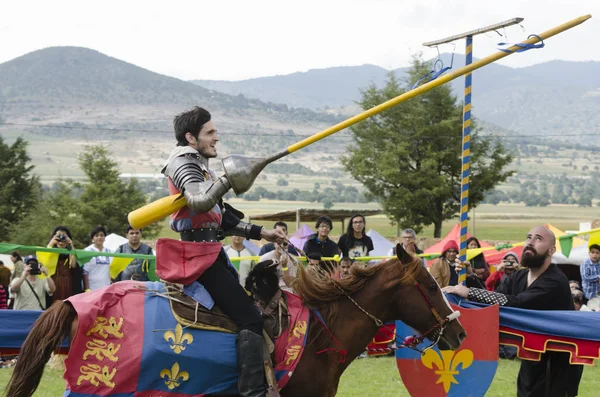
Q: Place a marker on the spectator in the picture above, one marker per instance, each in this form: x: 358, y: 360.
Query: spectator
x: 236, y: 250
x: 4, y: 275
x: 409, y: 243
x: 288, y: 265
x: 355, y: 243
x: 19, y: 266
x: 443, y: 268
x: 345, y: 265
x: 590, y: 272
x: 575, y: 285
x: 541, y: 286
x: 96, y: 273
x: 271, y: 246
x: 3, y: 298
x: 479, y: 266
x: 577, y: 297
x: 68, y: 275
x: 509, y: 264
x: 320, y: 241
x: 29, y: 290
x: 313, y: 259
x: 137, y: 269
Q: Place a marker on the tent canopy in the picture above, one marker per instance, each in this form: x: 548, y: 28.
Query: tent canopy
x: 381, y: 245
x: 453, y: 234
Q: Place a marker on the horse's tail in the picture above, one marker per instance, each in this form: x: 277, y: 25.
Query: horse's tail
x: 46, y: 336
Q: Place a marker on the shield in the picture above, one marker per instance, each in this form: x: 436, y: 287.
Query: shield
x: 468, y: 371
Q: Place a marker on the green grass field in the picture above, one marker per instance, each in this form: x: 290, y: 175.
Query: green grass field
x: 372, y: 377
x: 503, y: 222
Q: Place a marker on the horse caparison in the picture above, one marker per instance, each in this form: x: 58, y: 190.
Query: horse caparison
x: 387, y: 291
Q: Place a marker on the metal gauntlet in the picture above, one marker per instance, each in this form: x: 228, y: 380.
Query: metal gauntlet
x: 203, y: 196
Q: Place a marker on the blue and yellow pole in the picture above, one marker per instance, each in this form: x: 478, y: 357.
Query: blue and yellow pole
x: 466, y: 161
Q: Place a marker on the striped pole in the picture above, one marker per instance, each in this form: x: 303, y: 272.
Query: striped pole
x: 466, y: 162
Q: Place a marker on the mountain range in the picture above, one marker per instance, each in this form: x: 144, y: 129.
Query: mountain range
x: 554, y: 98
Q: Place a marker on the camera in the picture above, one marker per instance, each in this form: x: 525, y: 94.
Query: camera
x: 61, y: 238
x: 35, y: 267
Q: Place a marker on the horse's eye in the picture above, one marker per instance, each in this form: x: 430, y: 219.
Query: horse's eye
x: 433, y: 288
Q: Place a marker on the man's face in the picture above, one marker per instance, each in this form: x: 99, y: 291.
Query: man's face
x: 324, y: 229
x: 407, y: 239
x: 594, y: 254
x: 98, y: 238
x: 206, y: 144
x: 282, y: 228
x: 134, y: 236
x: 539, y: 246
x: 358, y: 224
x: 345, y: 268
x: 451, y: 254
x: 313, y: 262
x: 237, y: 240
x: 574, y: 286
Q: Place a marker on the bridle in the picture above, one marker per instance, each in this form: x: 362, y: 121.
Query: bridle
x: 413, y: 341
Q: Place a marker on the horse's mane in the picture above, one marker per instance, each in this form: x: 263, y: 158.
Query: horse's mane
x: 322, y: 291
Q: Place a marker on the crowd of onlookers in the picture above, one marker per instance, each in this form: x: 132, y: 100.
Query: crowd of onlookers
x: 30, y: 286
x: 24, y: 289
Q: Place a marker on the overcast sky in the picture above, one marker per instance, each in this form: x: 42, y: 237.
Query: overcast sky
x: 234, y: 40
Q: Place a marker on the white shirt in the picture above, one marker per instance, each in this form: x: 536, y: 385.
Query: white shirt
x: 98, y: 269
x: 244, y: 266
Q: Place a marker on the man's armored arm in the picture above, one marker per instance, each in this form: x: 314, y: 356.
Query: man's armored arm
x: 188, y: 176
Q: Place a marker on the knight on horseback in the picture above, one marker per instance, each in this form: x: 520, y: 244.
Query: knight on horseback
x: 206, y: 219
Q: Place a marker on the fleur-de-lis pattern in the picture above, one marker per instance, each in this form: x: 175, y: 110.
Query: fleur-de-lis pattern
x: 174, y: 377
x: 179, y: 339
x: 447, y: 364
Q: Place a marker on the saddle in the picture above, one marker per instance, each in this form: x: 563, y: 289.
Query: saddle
x: 275, y: 314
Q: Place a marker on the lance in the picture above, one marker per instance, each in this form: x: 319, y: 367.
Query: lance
x: 241, y: 171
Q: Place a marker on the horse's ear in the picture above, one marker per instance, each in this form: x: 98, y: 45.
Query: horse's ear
x: 401, y: 253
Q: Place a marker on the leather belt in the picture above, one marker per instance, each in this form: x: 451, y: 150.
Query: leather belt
x: 202, y: 235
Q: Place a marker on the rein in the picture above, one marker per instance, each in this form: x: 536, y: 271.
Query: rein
x: 411, y: 342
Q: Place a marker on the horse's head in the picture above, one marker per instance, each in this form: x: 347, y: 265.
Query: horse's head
x: 263, y: 281
x: 419, y: 302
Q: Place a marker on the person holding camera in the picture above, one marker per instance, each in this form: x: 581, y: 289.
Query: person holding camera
x: 29, y: 290
x: 509, y: 264
x: 68, y: 274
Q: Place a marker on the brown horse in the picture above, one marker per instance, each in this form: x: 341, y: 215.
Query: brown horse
x: 352, y: 308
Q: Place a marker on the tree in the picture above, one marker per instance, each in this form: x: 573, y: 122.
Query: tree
x: 106, y: 199
x: 19, y: 188
x: 409, y: 157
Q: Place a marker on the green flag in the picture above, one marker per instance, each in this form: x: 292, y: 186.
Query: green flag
x: 566, y: 243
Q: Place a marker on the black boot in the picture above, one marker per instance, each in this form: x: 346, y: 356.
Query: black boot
x: 250, y: 364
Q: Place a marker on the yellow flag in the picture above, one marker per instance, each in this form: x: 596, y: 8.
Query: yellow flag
x: 472, y: 253
x: 594, y: 238
x: 118, y: 265
x: 49, y: 260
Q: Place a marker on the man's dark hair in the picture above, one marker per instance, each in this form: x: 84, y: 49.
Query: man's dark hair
x: 191, y: 121
x: 346, y: 259
x: 314, y: 256
x: 280, y: 223
x: 1, y: 263
x: 97, y: 230
x: 325, y: 219
x: 61, y: 228
x: 17, y: 255
x: 594, y: 246
x: 131, y: 228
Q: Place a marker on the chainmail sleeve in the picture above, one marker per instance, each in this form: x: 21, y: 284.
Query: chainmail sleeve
x: 489, y: 297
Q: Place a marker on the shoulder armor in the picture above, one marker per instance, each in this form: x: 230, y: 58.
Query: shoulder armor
x: 184, y: 170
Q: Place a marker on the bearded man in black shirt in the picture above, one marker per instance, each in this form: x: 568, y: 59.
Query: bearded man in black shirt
x: 541, y: 285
